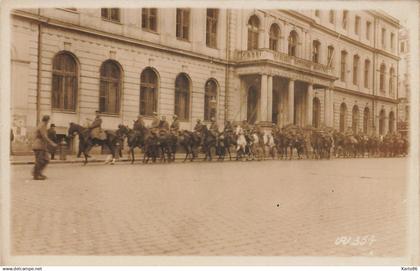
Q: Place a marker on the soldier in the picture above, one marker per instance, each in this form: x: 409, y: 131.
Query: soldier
x: 39, y: 147
x: 163, y: 126
x: 228, y: 127
x: 138, y: 124
x: 214, y: 128
x: 95, y: 127
x: 197, y: 131
x: 154, y: 127
x: 12, y: 137
x: 175, y: 124
x: 52, y: 135
x: 198, y: 126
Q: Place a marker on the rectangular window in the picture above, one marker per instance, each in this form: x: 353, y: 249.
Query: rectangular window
x: 343, y: 66
x: 332, y: 16
x: 111, y: 14
x: 383, y: 34
x: 357, y: 25
x: 368, y: 26
x: 330, y: 56
x: 355, y: 70
x: 182, y: 23
x: 402, y: 47
x: 149, y: 19
x: 366, y: 81
x: 392, y: 41
x: 317, y: 13
x: 211, y: 27
x: 344, y: 21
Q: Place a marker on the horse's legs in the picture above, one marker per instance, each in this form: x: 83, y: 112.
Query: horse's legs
x: 132, y: 154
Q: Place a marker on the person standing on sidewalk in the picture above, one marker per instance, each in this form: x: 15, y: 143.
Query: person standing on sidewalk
x: 52, y: 135
x: 40, y: 147
x: 12, y: 137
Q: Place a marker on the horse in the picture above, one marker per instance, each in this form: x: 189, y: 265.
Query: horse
x: 86, y: 142
x: 208, y: 142
x: 269, y: 144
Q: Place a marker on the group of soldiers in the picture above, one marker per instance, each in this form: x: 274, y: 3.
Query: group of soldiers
x: 46, y: 139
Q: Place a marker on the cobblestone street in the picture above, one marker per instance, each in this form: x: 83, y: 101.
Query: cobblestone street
x: 286, y: 208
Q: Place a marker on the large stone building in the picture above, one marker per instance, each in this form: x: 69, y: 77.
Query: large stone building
x: 404, y: 82
x: 332, y: 67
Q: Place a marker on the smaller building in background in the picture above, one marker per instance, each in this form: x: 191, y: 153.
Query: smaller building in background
x: 404, y: 83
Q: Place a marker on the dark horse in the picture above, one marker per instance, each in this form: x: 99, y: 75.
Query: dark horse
x: 208, y: 142
x: 86, y: 142
x: 190, y: 143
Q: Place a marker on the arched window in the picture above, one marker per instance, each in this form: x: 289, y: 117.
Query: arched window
x: 382, y: 78
x: 148, y: 92
x: 391, y: 82
x: 391, y: 122
x: 182, y: 97
x: 210, y: 99
x: 274, y: 37
x: 382, y: 117
x: 253, y: 28
x: 366, y: 118
x: 343, y: 66
x: 355, y: 119
x: 366, y: 73
x: 293, y: 42
x: 315, y: 51
x: 343, y: 117
x: 355, y: 70
x: 316, y: 112
x: 330, y: 60
x: 64, y: 82
x: 110, y: 87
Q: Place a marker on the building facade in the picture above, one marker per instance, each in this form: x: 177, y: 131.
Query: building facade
x: 404, y: 82
x: 322, y: 67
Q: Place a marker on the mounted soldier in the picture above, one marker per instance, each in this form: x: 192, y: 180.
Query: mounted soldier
x: 198, y: 128
x: 175, y: 125
x: 163, y: 126
x: 154, y: 127
x: 139, y: 124
x: 228, y: 129
x: 214, y: 128
x: 95, y: 128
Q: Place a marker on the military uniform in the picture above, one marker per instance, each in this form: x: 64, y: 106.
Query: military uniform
x: 154, y: 127
x: 175, y: 126
x: 40, y: 148
x: 163, y: 127
x: 138, y: 124
x: 96, y: 129
x: 214, y: 128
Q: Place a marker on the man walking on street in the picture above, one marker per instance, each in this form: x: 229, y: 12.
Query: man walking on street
x: 52, y: 135
x: 39, y: 147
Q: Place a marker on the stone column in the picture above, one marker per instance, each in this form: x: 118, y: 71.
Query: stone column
x: 309, y: 104
x: 291, y: 101
x: 270, y: 98
x: 262, y: 116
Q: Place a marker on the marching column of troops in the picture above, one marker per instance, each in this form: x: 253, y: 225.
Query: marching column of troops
x: 249, y: 141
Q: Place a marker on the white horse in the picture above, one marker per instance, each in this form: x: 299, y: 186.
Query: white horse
x: 269, y: 143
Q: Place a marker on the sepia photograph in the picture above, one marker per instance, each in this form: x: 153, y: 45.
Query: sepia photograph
x: 225, y: 128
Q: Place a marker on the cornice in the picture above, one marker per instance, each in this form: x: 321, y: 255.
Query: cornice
x: 336, y: 34
x: 369, y: 96
x: 107, y: 35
